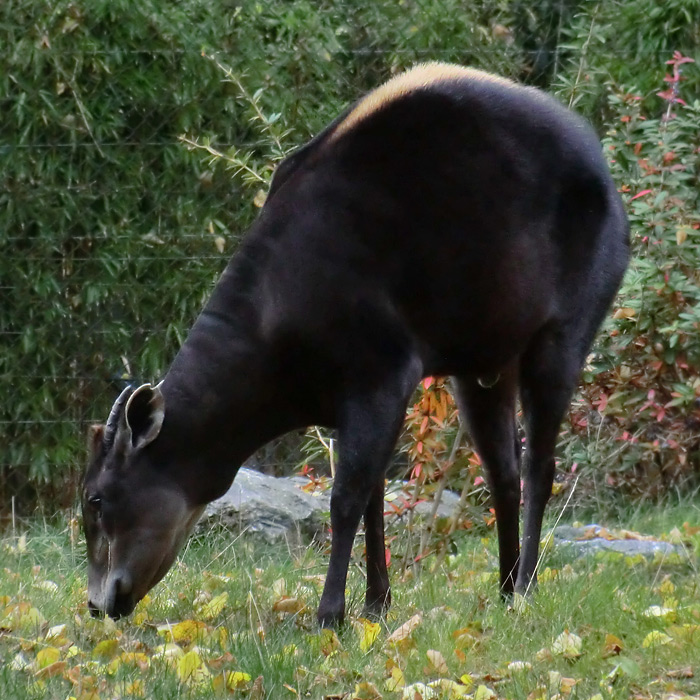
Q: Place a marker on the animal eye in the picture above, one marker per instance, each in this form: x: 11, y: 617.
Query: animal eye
x: 95, y: 503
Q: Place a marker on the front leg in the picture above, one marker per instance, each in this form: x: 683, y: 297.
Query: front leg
x: 366, y: 438
x: 348, y: 500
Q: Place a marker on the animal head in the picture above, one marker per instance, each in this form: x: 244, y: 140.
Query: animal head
x: 135, y: 517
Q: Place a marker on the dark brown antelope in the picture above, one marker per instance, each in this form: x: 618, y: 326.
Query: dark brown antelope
x: 449, y: 223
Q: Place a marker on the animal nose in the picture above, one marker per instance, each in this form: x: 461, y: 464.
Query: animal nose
x: 119, y: 600
x: 122, y: 583
x: 94, y: 610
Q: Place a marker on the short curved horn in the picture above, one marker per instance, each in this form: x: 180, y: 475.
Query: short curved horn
x: 113, y: 420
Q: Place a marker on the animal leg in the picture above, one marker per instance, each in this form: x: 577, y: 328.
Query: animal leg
x: 366, y: 437
x: 378, y: 596
x: 548, y: 375
x: 490, y: 417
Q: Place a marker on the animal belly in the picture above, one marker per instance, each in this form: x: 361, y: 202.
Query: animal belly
x: 479, y: 341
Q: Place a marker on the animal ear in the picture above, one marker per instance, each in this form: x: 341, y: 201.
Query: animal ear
x: 145, y: 411
x: 96, y: 435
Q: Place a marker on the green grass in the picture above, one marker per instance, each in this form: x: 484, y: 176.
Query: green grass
x: 231, y: 591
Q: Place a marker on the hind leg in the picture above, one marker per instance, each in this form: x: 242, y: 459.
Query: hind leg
x: 490, y: 417
x: 551, y: 365
x: 378, y: 595
x: 549, y: 372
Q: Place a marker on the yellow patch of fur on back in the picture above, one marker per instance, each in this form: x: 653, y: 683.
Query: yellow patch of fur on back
x: 418, y: 77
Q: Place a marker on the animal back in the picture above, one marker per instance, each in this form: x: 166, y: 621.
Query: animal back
x: 418, y: 78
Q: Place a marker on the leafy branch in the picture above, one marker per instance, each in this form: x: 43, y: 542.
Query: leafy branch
x: 268, y: 126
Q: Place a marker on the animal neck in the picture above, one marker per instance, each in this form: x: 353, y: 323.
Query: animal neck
x: 221, y: 399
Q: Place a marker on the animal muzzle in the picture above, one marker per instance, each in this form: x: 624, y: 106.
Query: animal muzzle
x: 117, y: 597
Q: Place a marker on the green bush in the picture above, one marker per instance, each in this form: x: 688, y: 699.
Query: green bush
x: 639, y: 415
x: 107, y: 251
x: 618, y: 43
x: 113, y: 229
x: 114, y: 225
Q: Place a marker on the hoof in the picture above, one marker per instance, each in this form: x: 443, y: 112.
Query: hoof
x: 373, y: 614
x: 330, y: 621
x: 376, y: 610
x: 376, y: 607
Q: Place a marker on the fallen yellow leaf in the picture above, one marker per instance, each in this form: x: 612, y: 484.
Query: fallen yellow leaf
x: 656, y: 639
x: 560, y: 684
x: 105, y: 649
x: 613, y: 645
x: 666, y: 587
x: 135, y: 658
x: 52, y: 670
x: 20, y: 663
x: 449, y: 689
x: 214, y: 607
x: 686, y: 633
x: 289, y: 605
x: 406, y: 629
x: 665, y: 613
x: 467, y: 680
x: 191, y: 669
x: 259, y: 198
x: 30, y: 619
x: 369, y: 631
x: 567, y: 645
x: 55, y: 635
x: 130, y: 689
x: 466, y: 637
x: 50, y: 586
x: 185, y: 632
x: 548, y: 575
x: 543, y: 654
x: 437, y: 662
x: 170, y: 653
x: 236, y: 680
x: 330, y: 643
x: 483, y: 692
x: 684, y: 672
x: 89, y: 695
x: 47, y: 656
x: 418, y: 690
x: 558, y: 487
x: 396, y: 680
x: 257, y: 690
x: 518, y: 666
x: 366, y: 691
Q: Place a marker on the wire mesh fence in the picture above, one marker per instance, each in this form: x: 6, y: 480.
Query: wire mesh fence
x: 113, y: 229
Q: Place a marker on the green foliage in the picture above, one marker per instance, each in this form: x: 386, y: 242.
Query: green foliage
x: 114, y: 225
x: 102, y: 212
x: 623, y: 43
x: 137, y: 141
x: 642, y: 397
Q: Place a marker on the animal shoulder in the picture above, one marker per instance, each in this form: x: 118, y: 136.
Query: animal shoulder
x: 420, y: 77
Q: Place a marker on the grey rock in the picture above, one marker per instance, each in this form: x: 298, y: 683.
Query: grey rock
x: 584, y: 540
x: 449, y: 502
x: 276, y: 508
